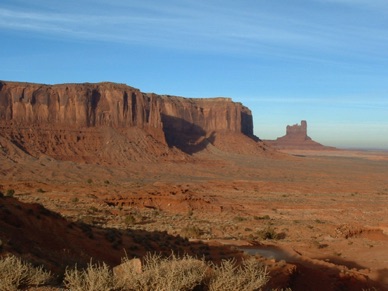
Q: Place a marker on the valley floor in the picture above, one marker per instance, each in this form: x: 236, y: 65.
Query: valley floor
x: 324, y: 212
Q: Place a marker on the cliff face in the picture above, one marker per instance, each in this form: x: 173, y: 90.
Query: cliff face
x: 85, y: 105
x: 32, y: 113
x: 186, y: 121
x: 213, y: 114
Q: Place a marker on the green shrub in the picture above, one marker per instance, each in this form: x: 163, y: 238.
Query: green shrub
x: 10, y: 193
x: 130, y: 220
x: 268, y: 233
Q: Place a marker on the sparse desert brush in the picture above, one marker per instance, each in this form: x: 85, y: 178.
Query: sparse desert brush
x: 16, y: 274
x: 158, y: 273
x: 96, y: 277
x: 265, y: 217
x: 191, y: 232
x: 249, y: 276
x: 93, y: 209
x: 10, y: 193
x: 239, y: 219
x: 129, y: 220
x: 269, y: 233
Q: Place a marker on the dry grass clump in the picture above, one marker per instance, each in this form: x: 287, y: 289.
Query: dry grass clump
x: 16, y: 274
x: 158, y: 273
x: 249, y: 276
x: 95, y: 277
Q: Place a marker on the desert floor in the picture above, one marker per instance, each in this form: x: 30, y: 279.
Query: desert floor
x: 325, y: 212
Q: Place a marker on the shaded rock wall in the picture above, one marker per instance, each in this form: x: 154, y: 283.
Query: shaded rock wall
x: 212, y: 114
x: 187, y: 120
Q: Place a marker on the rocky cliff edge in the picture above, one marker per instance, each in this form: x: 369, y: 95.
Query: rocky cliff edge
x: 72, y: 120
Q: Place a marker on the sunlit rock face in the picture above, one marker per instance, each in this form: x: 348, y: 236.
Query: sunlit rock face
x: 60, y: 119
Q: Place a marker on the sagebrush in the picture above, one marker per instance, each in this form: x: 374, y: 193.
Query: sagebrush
x: 159, y: 273
x: 249, y: 275
x: 95, y: 277
x: 16, y: 274
x: 155, y: 273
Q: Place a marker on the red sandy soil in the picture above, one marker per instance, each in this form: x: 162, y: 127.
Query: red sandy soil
x: 328, y: 210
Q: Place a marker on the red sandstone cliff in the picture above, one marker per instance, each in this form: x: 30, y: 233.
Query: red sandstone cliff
x: 69, y: 121
x: 83, y: 105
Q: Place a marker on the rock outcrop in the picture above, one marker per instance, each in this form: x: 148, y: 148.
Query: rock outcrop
x: 296, y: 138
x: 72, y: 120
x: 77, y: 105
x: 297, y: 131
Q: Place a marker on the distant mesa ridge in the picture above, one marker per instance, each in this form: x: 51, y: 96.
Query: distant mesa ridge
x: 296, y: 138
x: 69, y: 120
x: 118, y: 105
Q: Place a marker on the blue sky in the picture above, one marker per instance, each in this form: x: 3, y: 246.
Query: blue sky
x: 325, y: 61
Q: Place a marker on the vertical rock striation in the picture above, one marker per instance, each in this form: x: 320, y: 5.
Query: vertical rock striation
x: 83, y: 105
x: 32, y: 113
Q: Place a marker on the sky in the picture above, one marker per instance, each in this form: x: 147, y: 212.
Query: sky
x: 324, y: 61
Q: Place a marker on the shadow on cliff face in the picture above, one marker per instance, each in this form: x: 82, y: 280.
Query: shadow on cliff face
x: 188, y: 137
x: 247, y: 124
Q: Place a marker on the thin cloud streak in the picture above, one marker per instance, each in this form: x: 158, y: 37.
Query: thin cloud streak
x: 342, y: 101
x: 205, y: 28
x: 375, y: 5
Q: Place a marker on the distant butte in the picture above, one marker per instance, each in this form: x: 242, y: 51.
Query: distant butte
x: 296, y: 138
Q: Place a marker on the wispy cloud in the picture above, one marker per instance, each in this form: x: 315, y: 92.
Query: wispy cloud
x: 375, y: 4
x: 347, y: 101
x: 218, y: 26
